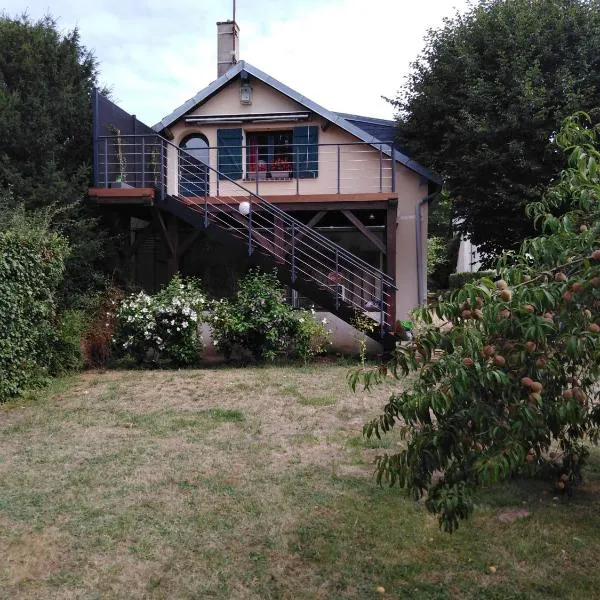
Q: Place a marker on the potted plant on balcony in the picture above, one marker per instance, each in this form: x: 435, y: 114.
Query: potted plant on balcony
x: 120, y: 160
x: 280, y: 168
x: 257, y: 171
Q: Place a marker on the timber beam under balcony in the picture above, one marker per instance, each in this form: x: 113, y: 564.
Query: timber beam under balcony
x: 128, y: 195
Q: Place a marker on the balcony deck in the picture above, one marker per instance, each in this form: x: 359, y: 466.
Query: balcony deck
x: 147, y: 197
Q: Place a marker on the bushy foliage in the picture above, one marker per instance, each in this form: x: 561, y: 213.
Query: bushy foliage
x: 31, y: 268
x: 507, y: 373
x: 436, y: 253
x: 46, y: 82
x: 485, y: 98
x: 66, y: 353
x: 257, y: 319
x: 165, y: 324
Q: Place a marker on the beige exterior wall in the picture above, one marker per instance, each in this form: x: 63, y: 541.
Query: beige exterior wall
x: 360, y: 169
x: 410, y: 191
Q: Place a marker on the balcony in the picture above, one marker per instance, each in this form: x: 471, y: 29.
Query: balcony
x: 336, y: 171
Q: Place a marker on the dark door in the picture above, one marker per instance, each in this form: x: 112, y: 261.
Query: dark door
x: 193, y: 166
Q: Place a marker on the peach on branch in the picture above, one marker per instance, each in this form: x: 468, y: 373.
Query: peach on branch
x: 560, y: 276
x: 530, y: 346
x: 506, y: 295
x: 577, y: 287
x: 536, y: 387
x: 489, y: 350
x: 596, y: 254
x: 501, y: 284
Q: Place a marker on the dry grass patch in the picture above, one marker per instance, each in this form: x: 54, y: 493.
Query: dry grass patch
x: 252, y: 483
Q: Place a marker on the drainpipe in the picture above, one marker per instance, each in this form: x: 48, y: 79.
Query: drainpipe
x: 418, y: 219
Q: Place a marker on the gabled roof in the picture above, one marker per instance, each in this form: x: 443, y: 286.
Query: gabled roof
x: 382, y: 129
x: 349, y: 123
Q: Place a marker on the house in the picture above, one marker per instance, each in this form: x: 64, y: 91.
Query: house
x: 326, y: 198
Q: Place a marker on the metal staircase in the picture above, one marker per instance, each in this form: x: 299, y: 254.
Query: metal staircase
x: 330, y: 275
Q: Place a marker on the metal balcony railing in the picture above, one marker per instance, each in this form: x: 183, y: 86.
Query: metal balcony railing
x: 152, y: 161
x: 348, y: 168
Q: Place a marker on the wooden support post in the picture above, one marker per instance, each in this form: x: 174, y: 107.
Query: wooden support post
x: 169, y: 235
x: 363, y: 229
x: 173, y: 232
x: 122, y: 224
x: 186, y: 245
x: 313, y: 221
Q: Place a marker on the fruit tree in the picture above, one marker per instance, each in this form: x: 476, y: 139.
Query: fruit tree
x: 506, y: 371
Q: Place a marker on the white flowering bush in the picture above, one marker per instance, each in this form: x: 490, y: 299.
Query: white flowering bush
x: 166, y: 323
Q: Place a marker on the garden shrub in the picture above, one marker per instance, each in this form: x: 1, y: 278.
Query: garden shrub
x: 101, y: 309
x: 506, y: 375
x: 66, y: 352
x: 311, y: 337
x: 164, y: 325
x: 258, y: 319
x: 31, y: 268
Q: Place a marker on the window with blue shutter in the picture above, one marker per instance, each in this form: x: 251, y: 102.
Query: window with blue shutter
x: 229, y: 143
x: 306, y: 151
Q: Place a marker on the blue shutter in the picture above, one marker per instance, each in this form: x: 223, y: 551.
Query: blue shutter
x: 306, y: 151
x: 229, y: 142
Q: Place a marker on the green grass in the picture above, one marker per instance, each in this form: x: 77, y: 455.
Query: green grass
x: 317, y: 401
x: 148, y: 485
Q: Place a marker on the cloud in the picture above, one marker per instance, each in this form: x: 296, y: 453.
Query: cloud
x: 343, y: 54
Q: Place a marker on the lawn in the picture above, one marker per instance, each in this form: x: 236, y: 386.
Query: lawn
x: 254, y: 483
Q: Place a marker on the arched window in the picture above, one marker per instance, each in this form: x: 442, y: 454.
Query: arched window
x: 193, y: 171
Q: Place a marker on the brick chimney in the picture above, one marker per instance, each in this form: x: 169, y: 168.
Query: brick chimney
x: 228, y: 46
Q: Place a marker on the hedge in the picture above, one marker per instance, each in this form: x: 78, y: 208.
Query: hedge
x: 31, y: 267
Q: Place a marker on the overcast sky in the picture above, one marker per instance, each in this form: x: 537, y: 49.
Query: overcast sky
x: 342, y: 54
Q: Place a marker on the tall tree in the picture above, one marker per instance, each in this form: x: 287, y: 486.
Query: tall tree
x: 46, y: 82
x: 485, y: 98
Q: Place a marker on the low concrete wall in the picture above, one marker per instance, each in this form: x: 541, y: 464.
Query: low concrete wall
x: 344, y: 338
